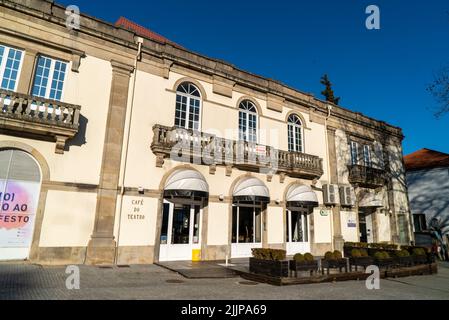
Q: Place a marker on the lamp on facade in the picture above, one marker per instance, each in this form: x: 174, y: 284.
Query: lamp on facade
x: 221, y: 197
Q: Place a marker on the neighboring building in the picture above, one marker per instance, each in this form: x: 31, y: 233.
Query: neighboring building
x: 428, y: 187
x: 90, y: 152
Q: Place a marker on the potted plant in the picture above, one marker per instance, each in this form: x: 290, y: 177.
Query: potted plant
x: 349, y: 246
x: 403, y: 258
x: 304, y: 262
x: 419, y: 255
x: 360, y: 257
x: 269, y: 262
x: 383, y: 260
x: 333, y: 260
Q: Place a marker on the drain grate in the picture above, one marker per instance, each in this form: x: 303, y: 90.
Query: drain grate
x: 248, y: 283
x: 174, y: 281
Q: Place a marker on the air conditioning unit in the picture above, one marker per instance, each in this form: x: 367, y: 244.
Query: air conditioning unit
x: 347, y: 196
x: 330, y: 193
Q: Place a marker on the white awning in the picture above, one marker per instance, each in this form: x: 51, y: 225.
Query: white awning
x: 371, y: 200
x: 252, y: 189
x: 186, y: 180
x: 301, y: 195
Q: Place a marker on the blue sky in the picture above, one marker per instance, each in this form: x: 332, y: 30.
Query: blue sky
x: 381, y: 73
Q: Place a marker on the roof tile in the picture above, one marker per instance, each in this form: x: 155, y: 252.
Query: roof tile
x: 426, y: 159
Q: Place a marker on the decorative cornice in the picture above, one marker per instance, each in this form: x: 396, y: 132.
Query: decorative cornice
x: 55, y: 14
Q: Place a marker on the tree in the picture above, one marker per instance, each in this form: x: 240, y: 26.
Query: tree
x: 439, y: 89
x: 328, y: 93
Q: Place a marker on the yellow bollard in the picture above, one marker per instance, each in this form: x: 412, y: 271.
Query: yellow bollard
x: 196, y: 255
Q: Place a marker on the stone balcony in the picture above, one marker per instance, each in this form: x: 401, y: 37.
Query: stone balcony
x: 367, y: 177
x: 206, y: 149
x: 38, y: 118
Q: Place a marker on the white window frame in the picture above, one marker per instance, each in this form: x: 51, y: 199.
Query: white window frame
x: 305, y: 227
x: 50, y: 76
x: 294, y: 128
x: 247, y: 114
x: 3, y: 65
x: 189, y: 113
x: 254, y: 226
x: 367, y: 156
x: 354, y: 151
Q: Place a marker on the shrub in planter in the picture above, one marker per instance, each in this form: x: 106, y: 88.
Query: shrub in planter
x: 348, y: 246
x: 355, y: 253
x: 304, y: 262
x: 269, y: 254
x: 337, y: 255
x: 359, y: 258
x: 309, y: 257
x: 391, y: 247
x: 333, y: 260
x: 383, y: 259
x: 270, y: 262
x: 403, y: 258
x: 419, y: 255
x: 299, y: 257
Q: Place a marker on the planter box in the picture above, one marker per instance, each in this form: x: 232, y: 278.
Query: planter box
x: 404, y: 261
x: 420, y: 259
x: 296, y: 266
x: 334, y: 264
x: 360, y: 262
x: 269, y: 267
x: 384, y: 263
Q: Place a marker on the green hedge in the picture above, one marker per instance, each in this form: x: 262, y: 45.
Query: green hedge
x: 269, y: 254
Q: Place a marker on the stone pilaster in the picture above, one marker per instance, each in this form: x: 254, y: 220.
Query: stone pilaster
x: 102, y: 246
x: 336, y: 219
x: 390, y: 195
x: 27, y: 72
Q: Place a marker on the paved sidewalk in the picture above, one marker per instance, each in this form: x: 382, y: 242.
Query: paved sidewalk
x: 153, y: 282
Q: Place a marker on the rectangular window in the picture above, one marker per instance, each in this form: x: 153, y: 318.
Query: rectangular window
x: 354, y: 153
x: 367, y: 155
x: 420, y: 222
x: 10, y: 64
x: 49, y: 78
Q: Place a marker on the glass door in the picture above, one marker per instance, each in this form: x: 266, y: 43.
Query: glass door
x: 180, y: 231
x: 246, y: 230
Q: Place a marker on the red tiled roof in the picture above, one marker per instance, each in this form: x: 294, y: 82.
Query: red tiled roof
x: 426, y: 159
x: 142, y: 31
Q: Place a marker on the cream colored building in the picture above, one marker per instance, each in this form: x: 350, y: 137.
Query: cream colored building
x: 118, y: 148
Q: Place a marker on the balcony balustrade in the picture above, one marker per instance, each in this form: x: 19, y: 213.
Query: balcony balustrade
x: 202, y: 148
x: 38, y: 117
x: 367, y: 177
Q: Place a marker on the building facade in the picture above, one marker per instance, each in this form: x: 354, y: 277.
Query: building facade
x: 119, y: 146
x: 428, y: 185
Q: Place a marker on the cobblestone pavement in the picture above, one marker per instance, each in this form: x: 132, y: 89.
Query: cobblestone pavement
x: 150, y: 282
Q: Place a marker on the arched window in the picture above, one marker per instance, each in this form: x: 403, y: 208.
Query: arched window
x: 295, y: 141
x: 248, y: 121
x: 188, y: 106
